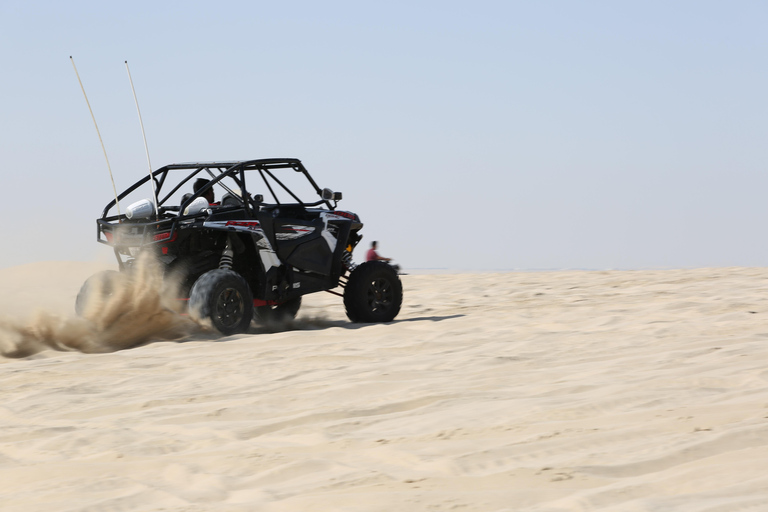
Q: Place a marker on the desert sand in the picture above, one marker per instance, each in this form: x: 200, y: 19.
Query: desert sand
x: 547, y: 391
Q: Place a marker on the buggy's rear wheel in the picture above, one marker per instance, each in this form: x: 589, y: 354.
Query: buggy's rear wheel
x: 99, y: 287
x: 373, y: 293
x: 225, y: 298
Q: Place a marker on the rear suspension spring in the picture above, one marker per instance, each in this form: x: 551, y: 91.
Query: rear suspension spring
x: 225, y: 262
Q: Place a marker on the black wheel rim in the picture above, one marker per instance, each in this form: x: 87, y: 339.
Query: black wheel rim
x: 380, y: 294
x: 229, y: 307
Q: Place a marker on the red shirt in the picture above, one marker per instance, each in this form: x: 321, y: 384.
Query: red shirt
x: 371, y: 255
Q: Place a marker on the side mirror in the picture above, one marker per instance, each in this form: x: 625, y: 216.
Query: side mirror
x: 330, y: 195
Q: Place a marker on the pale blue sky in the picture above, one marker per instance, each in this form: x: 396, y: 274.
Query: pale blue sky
x: 468, y: 135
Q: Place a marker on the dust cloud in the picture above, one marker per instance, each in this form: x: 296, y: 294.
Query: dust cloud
x: 120, y: 310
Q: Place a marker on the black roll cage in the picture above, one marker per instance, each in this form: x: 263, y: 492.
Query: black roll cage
x: 234, y: 169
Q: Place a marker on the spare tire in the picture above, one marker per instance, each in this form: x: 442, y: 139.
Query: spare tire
x: 373, y: 293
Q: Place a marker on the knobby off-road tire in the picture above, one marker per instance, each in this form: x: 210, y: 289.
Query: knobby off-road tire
x: 373, y: 293
x: 99, y: 286
x: 225, y: 298
x: 280, y: 313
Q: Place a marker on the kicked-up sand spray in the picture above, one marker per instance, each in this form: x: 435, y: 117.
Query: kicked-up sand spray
x: 125, y: 311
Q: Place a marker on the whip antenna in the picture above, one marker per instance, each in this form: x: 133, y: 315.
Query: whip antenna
x: 151, y: 179
x: 117, y: 203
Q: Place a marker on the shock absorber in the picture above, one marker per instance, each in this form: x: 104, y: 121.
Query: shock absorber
x: 225, y: 262
x: 347, y: 259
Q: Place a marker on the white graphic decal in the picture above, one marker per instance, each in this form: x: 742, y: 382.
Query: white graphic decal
x: 269, y: 259
x: 292, y: 232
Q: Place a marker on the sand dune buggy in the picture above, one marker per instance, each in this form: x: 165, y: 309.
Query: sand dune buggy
x: 241, y: 256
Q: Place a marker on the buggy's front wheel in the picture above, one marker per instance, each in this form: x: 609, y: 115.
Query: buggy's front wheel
x: 223, y: 297
x: 373, y: 293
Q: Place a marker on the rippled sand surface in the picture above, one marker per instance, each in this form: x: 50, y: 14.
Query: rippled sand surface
x: 552, y: 391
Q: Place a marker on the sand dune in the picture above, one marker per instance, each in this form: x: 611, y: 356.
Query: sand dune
x: 553, y: 391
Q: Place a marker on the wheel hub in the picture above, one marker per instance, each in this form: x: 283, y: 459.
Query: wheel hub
x: 229, y: 307
x: 379, y: 294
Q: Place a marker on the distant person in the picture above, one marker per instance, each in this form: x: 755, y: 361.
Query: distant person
x: 209, y: 195
x: 372, y: 255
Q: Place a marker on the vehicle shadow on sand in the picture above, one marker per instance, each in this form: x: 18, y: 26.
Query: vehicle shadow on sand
x: 305, y: 324
x: 320, y: 323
